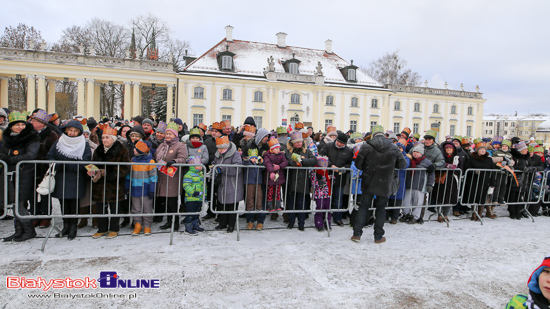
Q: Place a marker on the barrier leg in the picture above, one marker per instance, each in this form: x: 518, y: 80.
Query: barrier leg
x: 526, y: 211
x: 172, y: 230
x: 238, y: 228
x: 52, y: 227
x: 327, y: 224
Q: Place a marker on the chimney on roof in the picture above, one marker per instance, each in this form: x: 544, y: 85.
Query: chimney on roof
x: 229, y: 33
x: 281, y: 38
x: 328, y: 46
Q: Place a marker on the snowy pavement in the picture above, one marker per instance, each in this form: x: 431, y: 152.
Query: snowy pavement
x: 467, y: 265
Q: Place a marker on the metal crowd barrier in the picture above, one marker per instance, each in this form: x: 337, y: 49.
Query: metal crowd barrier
x: 4, y: 179
x: 229, y: 180
x: 545, y: 194
x: 41, y: 206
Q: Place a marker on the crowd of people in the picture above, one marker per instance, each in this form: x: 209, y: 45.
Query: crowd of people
x: 146, y: 166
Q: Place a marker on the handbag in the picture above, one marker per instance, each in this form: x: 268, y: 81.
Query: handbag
x: 47, y: 185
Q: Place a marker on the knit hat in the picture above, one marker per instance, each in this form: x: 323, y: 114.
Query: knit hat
x: 538, y: 149
x: 448, y: 137
x: 260, y: 135
x: 203, y: 127
x: 16, y: 117
x: 398, y: 144
x: 249, y: 130
x: 41, y: 116
x: 217, y: 126
x: 86, y: 129
x: 143, y: 147
x: 161, y: 127
x: 377, y: 129
x: 449, y: 145
x: 322, y: 161
x: 222, y: 142
x: 178, y: 122
x: 53, y: 117
x: 172, y: 127
x: 392, y: 136
x: 195, y: 160
x: 356, y: 135
x: 91, y: 123
x: 331, y: 131
x: 430, y: 134
x: 195, y: 132
x: 273, y: 143
x: 282, y: 130
x: 149, y: 121
x: 419, y: 148
x: 342, y: 138
x: 407, y: 131
x: 253, y: 153
x: 533, y: 282
x: 139, y: 119
x: 296, y: 136
x: 507, y: 143
x: 298, y: 126
x: 497, y: 140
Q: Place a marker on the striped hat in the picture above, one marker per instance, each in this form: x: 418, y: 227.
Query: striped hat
x: 273, y: 143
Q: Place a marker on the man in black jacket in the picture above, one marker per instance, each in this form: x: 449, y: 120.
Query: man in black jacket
x: 338, y: 156
x: 378, y: 158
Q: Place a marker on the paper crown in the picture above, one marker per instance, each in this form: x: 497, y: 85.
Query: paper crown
x: 407, y: 130
x: 281, y: 130
x: 110, y: 131
x: 539, y: 149
x: 356, y: 135
x: 195, y: 132
x: 305, y: 134
x: 431, y: 133
x: 539, y: 142
x: 298, y: 126
x: 416, y: 135
x: 253, y: 153
x: 322, y: 161
x: 520, y: 146
x: 458, y: 138
x: 217, y: 126
x: 296, y: 136
x: 85, y: 129
x: 53, y: 117
x: 161, y: 127
x: 507, y: 143
x: 403, y: 141
x: 498, y: 139
x: 249, y: 128
x: 389, y: 132
x: 222, y: 140
x: 83, y: 121
x: 377, y: 129
x: 17, y: 116
x: 226, y: 123
x: 196, y: 160
x: 41, y: 116
x: 203, y: 127
x: 103, y: 126
x: 477, y: 140
x: 172, y: 126
x: 142, y: 147
x: 531, y: 148
x: 331, y: 129
x: 273, y: 142
x: 465, y: 141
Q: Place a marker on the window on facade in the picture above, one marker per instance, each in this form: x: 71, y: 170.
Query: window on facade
x: 453, y: 109
x: 199, y: 93
x: 452, y: 130
x: 294, y: 119
x: 372, y: 124
x: 226, y: 117
x: 374, y: 103
x: 416, y: 128
x: 295, y: 98
x: 258, y: 96
x: 258, y: 121
x: 351, y: 75
x: 228, y: 94
x: 328, y: 122
x: 397, y: 105
x: 396, y: 127
x: 513, y: 124
x: 469, y: 131
x: 330, y: 100
x: 416, y: 107
x: 505, y: 132
x: 197, y: 119
x: 354, y: 102
x: 353, y: 125
x: 227, y: 62
x: 293, y: 68
x: 506, y: 124
x: 470, y: 111
x: 436, y: 108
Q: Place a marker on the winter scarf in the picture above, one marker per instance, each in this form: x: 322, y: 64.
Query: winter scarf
x: 71, y: 147
x: 171, y: 141
x: 415, y: 161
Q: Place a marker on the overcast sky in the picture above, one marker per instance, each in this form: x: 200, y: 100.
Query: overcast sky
x: 502, y: 46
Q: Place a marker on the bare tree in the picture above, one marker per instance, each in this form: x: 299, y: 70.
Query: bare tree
x: 72, y: 38
x: 109, y: 39
x: 20, y: 37
x: 149, y: 28
x: 393, y: 67
x: 178, y: 49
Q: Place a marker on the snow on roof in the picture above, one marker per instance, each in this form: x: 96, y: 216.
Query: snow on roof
x: 251, y: 60
x: 544, y: 127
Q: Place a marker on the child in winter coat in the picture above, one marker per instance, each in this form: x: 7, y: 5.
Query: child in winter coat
x: 195, y: 193
x: 415, y: 188
x: 321, y: 185
x: 397, y: 199
x: 539, y: 289
x: 253, y: 180
x: 141, y: 182
x: 275, y: 163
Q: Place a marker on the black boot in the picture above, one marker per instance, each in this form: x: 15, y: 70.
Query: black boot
x: 71, y: 234
x: 125, y: 222
x: 18, y: 231
x: 167, y: 225
x: 177, y: 224
x: 28, y: 231
x: 64, y: 231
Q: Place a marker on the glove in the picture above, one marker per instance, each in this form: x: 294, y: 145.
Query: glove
x: 429, y: 189
x: 431, y: 168
x: 296, y: 158
x: 218, y: 170
x: 276, y: 167
x: 152, y: 195
x: 170, y: 163
x: 197, y: 194
x: 272, y: 176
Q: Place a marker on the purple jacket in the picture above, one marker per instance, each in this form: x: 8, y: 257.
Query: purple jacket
x: 271, y: 159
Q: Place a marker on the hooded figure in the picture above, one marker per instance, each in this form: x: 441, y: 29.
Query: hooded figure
x: 539, y: 289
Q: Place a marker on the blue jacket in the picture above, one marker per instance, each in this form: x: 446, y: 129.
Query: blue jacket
x: 144, y: 177
x: 252, y: 175
x: 402, y: 173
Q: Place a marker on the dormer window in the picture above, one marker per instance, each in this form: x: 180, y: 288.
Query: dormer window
x: 350, y: 73
x: 225, y: 60
x: 292, y: 66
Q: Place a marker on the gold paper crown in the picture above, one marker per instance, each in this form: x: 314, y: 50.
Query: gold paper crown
x: 331, y: 129
x: 249, y: 128
x: 217, y: 126
x: 110, y: 131
x: 17, y: 116
x: 222, y: 140
x: 172, y: 126
x: 226, y: 123
x: 407, y: 130
x: 141, y: 146
x: 298, y: 125
x: 203, y: 127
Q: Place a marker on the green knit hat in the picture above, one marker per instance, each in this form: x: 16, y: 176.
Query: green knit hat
x: 282, y: 130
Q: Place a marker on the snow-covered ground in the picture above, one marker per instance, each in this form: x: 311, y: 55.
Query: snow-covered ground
x: 466, y: 265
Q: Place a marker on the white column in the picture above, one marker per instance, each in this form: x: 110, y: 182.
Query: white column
x: 90, y: 98
x: 3, y: 91
x: 41, y: 91
x: 80, y: 108
x: 97, y: 111
x: 169, y: 101
x: 127, y: 100
x: 51, y: 96
x: 31, y: 93
x: 136, y: 100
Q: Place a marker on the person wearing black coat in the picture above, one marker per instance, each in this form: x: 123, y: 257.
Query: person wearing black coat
x: 338, y: 156
x: 477, y: 183
x: 525, y: 172
x: 21, y: 142
x: 377, y: 158
x: 70, y: 179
